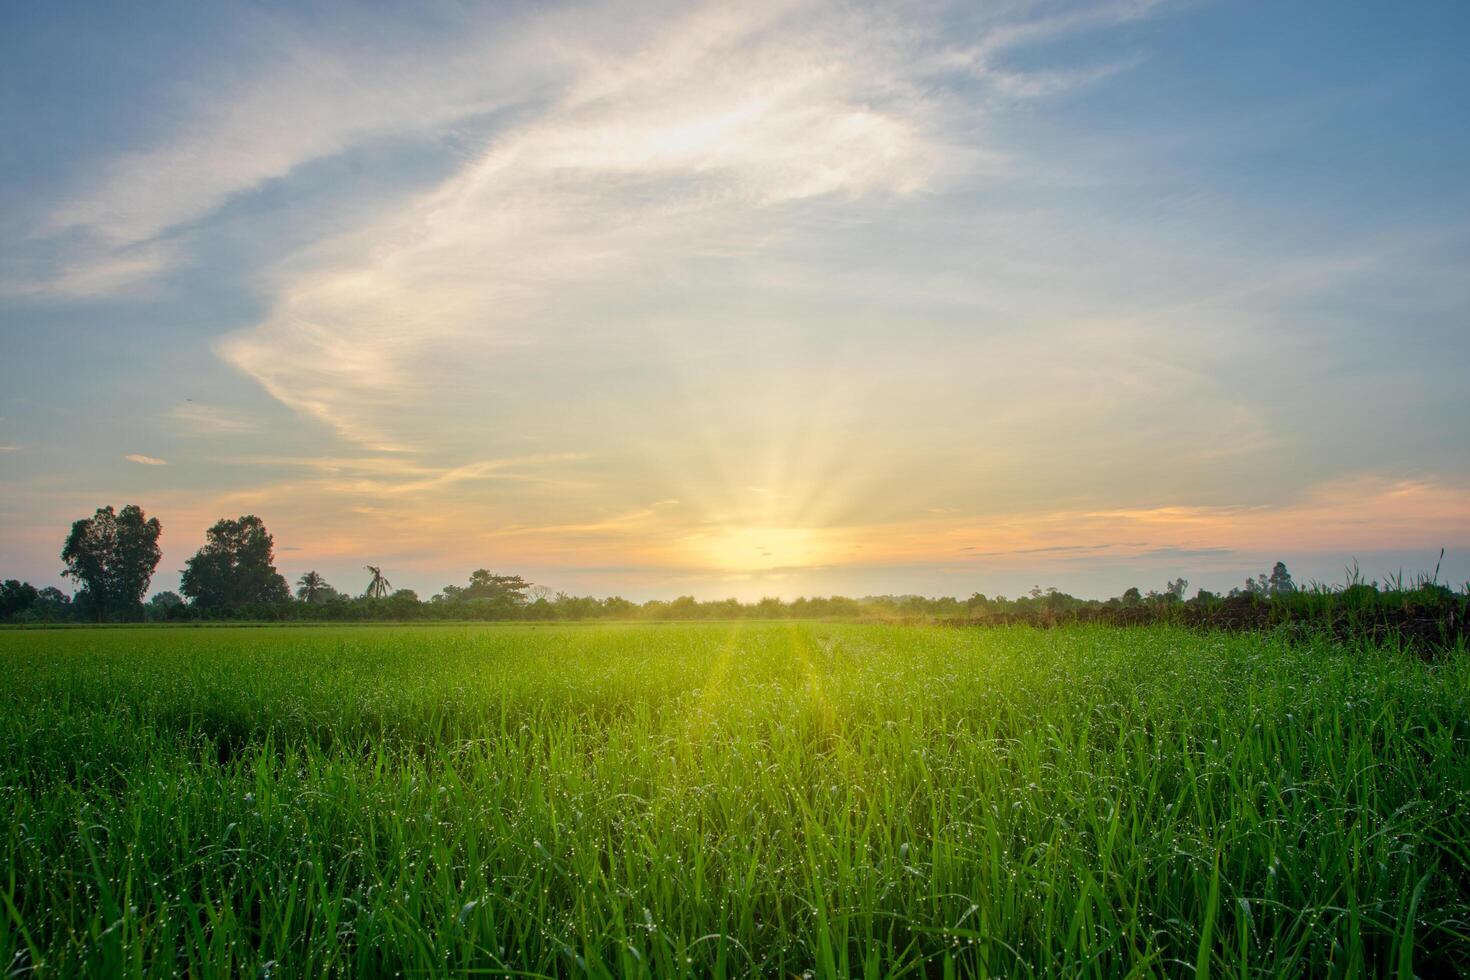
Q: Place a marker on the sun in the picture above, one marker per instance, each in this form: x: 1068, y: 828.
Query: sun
x: 750, y: 549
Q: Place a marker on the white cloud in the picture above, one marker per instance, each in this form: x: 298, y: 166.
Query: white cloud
x: 145, y: 460
x: 696, y: 141
x: 638, y: 136
x: 309, y: 101
x: 392, y: 475
x: 95, y: 271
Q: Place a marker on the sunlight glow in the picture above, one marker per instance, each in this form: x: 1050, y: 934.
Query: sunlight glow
x: 759, y: 548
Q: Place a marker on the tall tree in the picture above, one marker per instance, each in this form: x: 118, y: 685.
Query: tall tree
x: 378, y: 587
x: 493, y: 595
x: 235, y: 567
x: 1280, y: 582
x: 113, y: 556
x: 311, y: 587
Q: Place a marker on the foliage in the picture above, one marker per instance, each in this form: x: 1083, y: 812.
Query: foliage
x: 52, y: 605
x: 378, y: 587
x: 113, y: 556
x: 1422, y: 614
x: 312, y: 588
x: 16, y: 598
x: 1280, y: 582
x: 235, y: 567
x: 488, y: 596
x: 771, y: 799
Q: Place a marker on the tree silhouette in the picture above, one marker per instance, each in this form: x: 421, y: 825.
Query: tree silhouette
x: 492, y: 595
x: 311, y: 587
x: 235, y: 566
x: 1280, y: 582
x: 52, y: 604
x: 113, y: 556
x: 16, y: 597
x: 378, y: 587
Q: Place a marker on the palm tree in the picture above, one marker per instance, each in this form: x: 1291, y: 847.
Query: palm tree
x: 311, y: 587
x: 379, y: 587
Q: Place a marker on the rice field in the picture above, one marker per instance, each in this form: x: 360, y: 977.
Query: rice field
x: 747, y: 799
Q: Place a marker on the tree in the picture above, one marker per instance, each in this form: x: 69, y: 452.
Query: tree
x: 616, y: 605
x: 51, y: 605
x: 16, y: 598
x: 163, y: 605
x: 113, y: 556
x: 1176, y: 588
x: 404, y: 604
x: 235, y: 567
x: 508, y: 588
x: 379, y: 587
x: 488, y: 596
x: 485, y: 585
x: 311, y: 587
x: 1280, y: 582
x: 1132, y: 597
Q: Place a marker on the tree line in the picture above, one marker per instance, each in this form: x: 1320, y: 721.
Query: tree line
x: 112, y: 557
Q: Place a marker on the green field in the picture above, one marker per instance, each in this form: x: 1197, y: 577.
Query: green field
x: 727, y: 800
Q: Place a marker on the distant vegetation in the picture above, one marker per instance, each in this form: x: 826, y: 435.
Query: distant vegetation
x: 233, y: 577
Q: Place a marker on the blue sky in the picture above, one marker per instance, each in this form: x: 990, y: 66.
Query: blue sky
x: 801, y: 297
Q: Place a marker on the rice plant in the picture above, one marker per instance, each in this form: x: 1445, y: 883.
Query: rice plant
x: 728, y: 800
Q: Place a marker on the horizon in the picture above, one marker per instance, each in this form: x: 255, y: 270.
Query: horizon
x: 806, y: 298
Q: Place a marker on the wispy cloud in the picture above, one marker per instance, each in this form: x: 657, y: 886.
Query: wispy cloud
x: 145, y: 460
x: 656, y: 153
x: 202, y: 419
x: 639, y: 138
x: 1172, y: 552
x: 93, y: 271
x: 390, y: 476
x: 320, y: 99
x: 1374, y: 511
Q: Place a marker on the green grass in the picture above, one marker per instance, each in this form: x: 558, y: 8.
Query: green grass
x: 729, y: 799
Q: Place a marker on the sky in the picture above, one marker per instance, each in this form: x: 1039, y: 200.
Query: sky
x: 770, y: 298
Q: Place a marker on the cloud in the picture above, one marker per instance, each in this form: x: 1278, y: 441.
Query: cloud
x: 633, y: 138
x: 304, y: 101
x: 1055, y: 549
x: 202, y: 419
x: 94, y: 271
x: 981, y: 57
x: 1368, y: 512
x: 1172, y: 552
x: 145, y: 460
x: 9, y: 449
x: 670, y: 149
